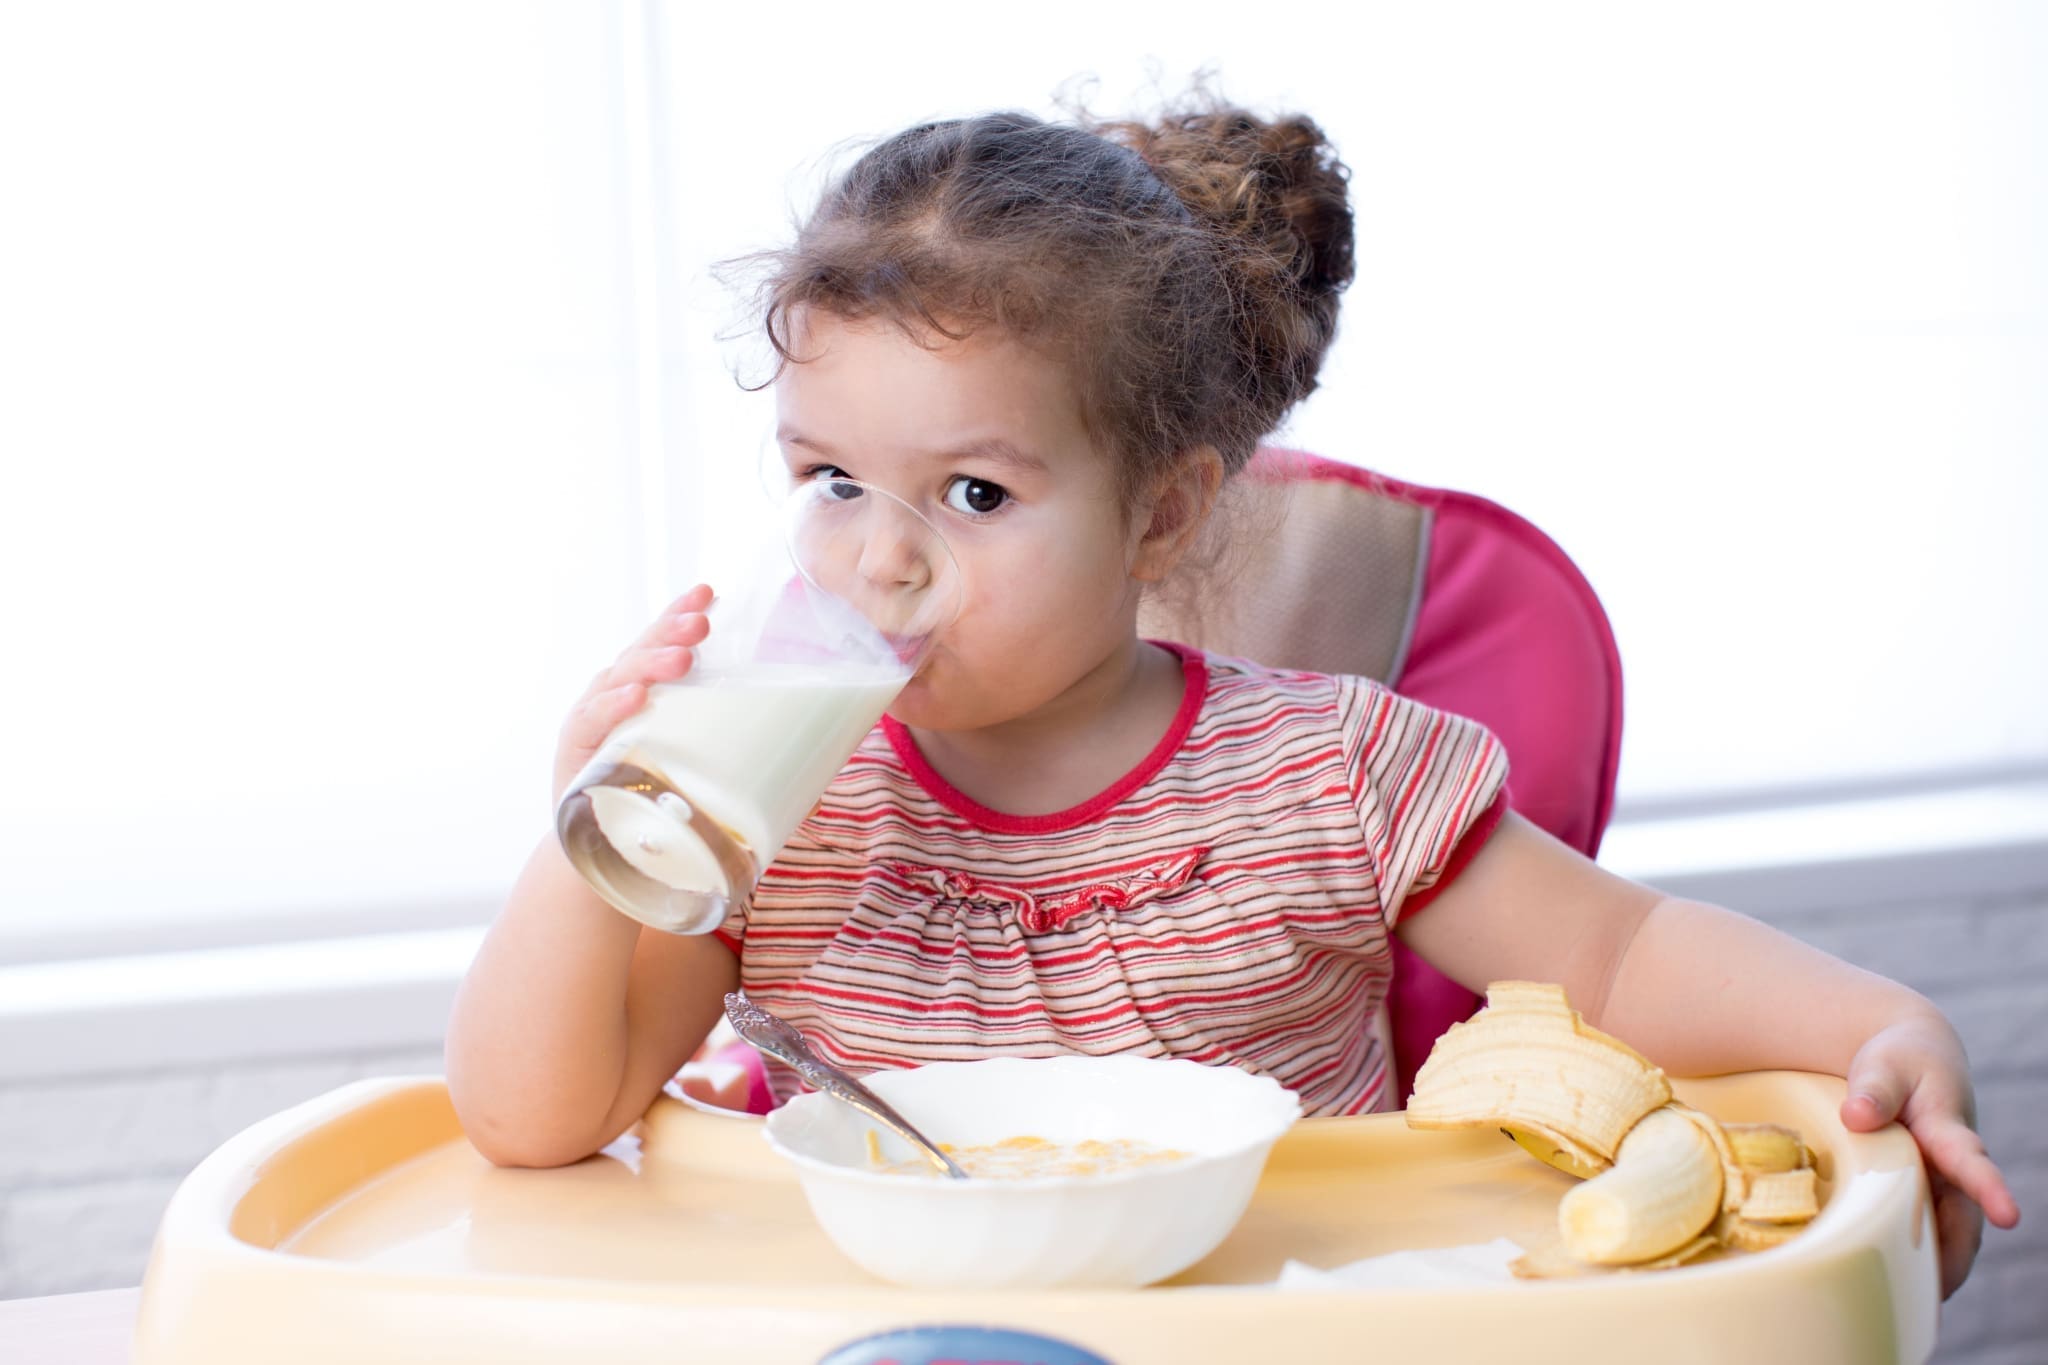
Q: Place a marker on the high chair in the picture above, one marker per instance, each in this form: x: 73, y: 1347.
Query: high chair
x: 1445, y: 597
x: 363, y: 1225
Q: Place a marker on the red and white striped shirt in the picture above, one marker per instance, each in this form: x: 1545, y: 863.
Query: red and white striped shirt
x: 1229, y: 900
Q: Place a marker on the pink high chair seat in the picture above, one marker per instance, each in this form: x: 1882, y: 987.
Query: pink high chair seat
x: 1447, y: 598
x: 1443, y: 596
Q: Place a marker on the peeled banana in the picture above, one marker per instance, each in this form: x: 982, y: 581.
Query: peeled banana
x: 1663, y: 1190
x: 1767, y: 1148
x: 1664, y: 1183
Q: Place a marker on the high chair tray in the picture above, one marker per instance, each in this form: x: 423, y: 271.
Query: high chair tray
x: 361, y: 1226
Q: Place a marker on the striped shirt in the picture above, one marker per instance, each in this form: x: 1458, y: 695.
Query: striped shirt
x: 1229, y: 900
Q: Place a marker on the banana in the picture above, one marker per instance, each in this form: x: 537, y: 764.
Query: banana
x: 1664, y: 1183
x: 1662, y: 1192
x: 1767, y: 1148
x: 1529, y: 1063
x: 1781, y: 1197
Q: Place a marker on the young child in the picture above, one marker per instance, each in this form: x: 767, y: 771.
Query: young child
x: 1058, y: 341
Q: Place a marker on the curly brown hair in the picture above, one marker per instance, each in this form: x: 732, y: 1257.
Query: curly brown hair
x: 1186, y: 269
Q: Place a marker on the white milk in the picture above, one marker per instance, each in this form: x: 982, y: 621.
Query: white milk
x: 752, y: 749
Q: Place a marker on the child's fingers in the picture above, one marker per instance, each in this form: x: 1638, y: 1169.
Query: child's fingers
x: 1876, y: 1094
x: 1958, y: 1232
x: 663, y: 653
x: 689, y: 607
x: 664, y: 663
x: 642, y: 664
x: 689, y: 628
x: 684, y: 623
x: 696, y: 599
x: 1954, y: 1149
x: 619, y: 691
x: 671, y: 628
x: 594, y: 716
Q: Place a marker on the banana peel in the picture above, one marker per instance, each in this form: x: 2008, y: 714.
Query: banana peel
x: 1782, y: 1197
x: 1573, y: 1162
x: 1530, y: 1064
x: 1663, y: 1183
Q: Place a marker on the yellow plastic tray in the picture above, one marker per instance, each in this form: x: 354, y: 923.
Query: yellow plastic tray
x: 361, y: 1226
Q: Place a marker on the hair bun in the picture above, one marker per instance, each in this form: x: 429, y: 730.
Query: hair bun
x: 1278, y: 199
x: 1279, y: 183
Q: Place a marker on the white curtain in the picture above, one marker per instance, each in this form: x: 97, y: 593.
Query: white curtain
x: 316, y: 346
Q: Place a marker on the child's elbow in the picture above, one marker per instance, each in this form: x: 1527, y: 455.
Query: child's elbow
x: 514, y: 1139
x: 525, y: 1148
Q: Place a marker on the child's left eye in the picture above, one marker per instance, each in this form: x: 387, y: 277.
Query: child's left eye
x: 975, y: 497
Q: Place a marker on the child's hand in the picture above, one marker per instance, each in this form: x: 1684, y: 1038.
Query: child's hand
x: 1915, y: 1072
x: 661, y: 654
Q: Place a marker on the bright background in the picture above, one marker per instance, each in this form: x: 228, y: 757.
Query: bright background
x: 361, y: 390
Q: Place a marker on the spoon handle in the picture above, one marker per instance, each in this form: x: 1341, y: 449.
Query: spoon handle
x: 780, y: 1040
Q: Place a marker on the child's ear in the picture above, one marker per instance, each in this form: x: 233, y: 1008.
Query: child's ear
x: 1174, y: 513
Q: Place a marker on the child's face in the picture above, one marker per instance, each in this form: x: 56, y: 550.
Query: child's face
x: 985, y: 438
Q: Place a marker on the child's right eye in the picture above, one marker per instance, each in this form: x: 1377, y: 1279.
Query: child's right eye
x: 839, y: 484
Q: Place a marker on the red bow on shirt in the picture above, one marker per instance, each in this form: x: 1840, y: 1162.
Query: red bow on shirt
x: 1041, y: 914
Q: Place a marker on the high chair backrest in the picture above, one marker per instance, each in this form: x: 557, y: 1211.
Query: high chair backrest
x: 1447, y: 598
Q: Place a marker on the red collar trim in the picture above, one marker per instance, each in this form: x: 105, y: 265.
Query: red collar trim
x: 1194, y: 668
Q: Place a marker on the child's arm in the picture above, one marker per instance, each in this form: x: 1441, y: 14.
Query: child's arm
x: 573, y: 1017
x: 1701, y: 991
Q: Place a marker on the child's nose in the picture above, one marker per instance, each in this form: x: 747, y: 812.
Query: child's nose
x: 889, y: 557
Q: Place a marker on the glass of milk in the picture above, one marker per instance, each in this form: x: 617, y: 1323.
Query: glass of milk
x: 675, y: 816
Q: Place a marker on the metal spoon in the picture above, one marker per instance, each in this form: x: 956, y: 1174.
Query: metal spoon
x: 780, y: 1040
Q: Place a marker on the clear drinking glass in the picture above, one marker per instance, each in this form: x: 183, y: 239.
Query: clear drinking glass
x: 686, y: 801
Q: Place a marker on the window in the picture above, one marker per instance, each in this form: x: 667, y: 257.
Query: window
x: 320, y: 440
x: 364, y: 392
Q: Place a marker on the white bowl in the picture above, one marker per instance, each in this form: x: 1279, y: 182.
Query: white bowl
x: 1122, y: 1229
